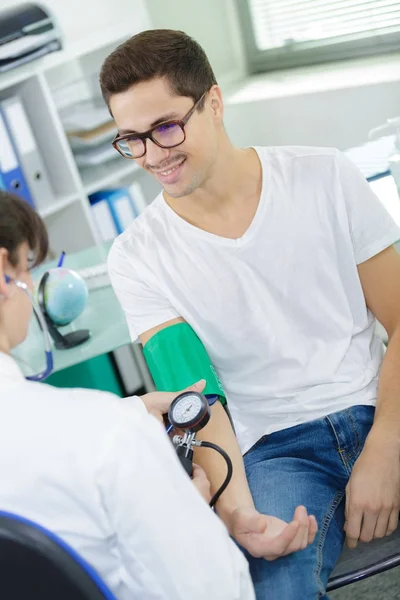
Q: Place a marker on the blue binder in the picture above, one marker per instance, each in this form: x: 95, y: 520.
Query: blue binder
x: 120, y: 204
x: 10, y: 170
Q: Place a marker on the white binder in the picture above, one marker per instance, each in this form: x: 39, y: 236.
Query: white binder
x: 104, y: 221
x: 28, y: 152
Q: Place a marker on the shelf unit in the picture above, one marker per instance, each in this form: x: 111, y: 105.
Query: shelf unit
x: 59, y: 204
x: 68, y: 215
x: 95, y: 178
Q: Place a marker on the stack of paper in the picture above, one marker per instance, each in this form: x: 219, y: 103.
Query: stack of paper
x: 90, y: 130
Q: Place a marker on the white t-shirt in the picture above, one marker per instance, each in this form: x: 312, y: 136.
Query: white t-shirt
x: 280, y: 310
x: 101, y: 473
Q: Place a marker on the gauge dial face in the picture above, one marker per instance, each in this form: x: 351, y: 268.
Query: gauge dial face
x: 187, y: 409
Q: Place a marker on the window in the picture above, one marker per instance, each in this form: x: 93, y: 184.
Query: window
x: 289, y: 33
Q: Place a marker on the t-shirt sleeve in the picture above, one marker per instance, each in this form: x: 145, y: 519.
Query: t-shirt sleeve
x: 144, y: 304
x: 372, y: 228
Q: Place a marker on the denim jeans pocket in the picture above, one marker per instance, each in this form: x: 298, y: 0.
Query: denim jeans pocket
x: 350, y: 428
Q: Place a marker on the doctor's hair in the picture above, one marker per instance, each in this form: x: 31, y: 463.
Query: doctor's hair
x: 20, y: 223
x: 158, y: 53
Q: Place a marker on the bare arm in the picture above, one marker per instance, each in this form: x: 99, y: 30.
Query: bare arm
x: 252, y: 530
x: 373, y: 492
x: 261, y: 535
x: 147, y: 335
x: 380, y: 279
x: 218, y: 430
x: 237, y: 495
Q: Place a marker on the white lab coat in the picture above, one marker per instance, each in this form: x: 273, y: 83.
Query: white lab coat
x: 101, y: 473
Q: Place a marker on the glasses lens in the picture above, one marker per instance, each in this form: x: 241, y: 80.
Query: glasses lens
x: 131, y: 148
x: 169, y: 134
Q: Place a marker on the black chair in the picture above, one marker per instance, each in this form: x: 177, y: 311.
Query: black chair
x: 35, y: 564
x: 365, y: 561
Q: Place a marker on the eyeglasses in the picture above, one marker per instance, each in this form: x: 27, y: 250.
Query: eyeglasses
x: 166, y: 135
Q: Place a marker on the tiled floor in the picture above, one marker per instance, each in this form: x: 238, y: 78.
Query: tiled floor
x: 381, y: 587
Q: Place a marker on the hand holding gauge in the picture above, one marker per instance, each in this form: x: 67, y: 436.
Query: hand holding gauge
x: 190, y: 412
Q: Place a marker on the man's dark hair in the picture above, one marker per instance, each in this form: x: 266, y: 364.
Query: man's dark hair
x: 20, y: 223
x: 163, y: 53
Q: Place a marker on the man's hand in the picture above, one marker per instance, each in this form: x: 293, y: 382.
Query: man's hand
x: 201, y: 482
x: 269, y: 537
x: 158, y: 403
x: 373, y: 492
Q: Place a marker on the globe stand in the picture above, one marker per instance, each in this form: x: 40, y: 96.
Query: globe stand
x: 61, y: 342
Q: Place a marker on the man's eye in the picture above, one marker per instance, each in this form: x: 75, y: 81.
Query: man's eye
x: 166, y: 127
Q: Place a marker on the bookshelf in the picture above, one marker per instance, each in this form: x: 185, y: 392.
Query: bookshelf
x: 67, y: 213
x: 98, y: 177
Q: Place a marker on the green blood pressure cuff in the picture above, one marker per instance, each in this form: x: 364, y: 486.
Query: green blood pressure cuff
x: 177, y: 359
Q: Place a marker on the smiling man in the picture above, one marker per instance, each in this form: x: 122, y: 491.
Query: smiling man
x: 279, y: 259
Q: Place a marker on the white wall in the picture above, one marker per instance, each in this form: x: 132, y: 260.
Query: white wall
x: 213, y: 23
x: 338, y: 118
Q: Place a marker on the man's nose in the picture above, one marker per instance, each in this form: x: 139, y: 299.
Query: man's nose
x: 154, y: 154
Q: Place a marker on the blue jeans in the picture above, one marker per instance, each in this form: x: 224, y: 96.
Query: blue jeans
x: 309, y: 464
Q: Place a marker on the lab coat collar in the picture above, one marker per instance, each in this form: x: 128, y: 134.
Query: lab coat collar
x: 9, y: 370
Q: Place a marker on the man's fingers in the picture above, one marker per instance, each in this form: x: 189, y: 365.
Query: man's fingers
x: 351, y: 542
x: 301, y: 517
x: 353, y: 525
x: 283, y: 542
x: 347, y: 503
x: 307, y: 528
x: 312, y: 528
x: 382, y: 524
x: 368, y: 526
x: 393, y: 521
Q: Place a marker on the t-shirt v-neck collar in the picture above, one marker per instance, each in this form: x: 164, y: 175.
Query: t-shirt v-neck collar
x: 212, y: 237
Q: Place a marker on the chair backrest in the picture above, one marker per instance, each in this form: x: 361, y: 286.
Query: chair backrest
x: 35, y: 563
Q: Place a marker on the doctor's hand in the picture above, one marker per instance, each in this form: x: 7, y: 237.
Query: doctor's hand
x: 269, y: 537
x: 201, y: 482
x: 158, y: 403
x: 373, y: 491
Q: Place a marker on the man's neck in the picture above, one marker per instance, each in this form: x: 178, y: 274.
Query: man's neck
x: 233, y: 177
x: 4, y: 343
x: 226, y: 203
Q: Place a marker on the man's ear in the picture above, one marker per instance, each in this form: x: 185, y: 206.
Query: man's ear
x: 216, y: 102
x: 4, y: 287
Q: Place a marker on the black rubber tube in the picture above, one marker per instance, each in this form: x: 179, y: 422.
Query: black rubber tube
x: 229, y: 473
